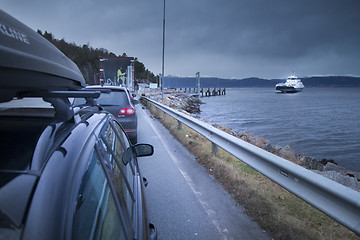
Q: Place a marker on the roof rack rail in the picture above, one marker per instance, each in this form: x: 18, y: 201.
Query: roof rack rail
x: 90, y: 101
x: 59, y: 100
x: 82, y: 93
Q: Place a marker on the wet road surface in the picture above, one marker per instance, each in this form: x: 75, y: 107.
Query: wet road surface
x: 183, y: 201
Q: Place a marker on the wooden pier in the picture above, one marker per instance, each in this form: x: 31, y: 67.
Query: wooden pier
x: 207, y: 92
x: 213, y: 92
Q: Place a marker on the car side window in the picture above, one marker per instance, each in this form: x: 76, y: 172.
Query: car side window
x: 108, y: 185
x: 115, y: 143
x: 96, y: 215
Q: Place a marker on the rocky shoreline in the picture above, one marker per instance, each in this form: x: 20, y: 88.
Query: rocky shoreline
x: 325, y: 167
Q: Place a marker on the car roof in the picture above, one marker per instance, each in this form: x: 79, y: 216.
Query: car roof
x: 29, y: 62
x: 106, y: 87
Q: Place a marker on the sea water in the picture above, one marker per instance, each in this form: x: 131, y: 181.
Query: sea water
x: 318, y: 122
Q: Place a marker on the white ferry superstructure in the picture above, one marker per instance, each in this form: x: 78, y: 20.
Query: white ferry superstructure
x: 291, y: 85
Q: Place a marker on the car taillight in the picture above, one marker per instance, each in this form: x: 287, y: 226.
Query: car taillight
x: 127, y: 111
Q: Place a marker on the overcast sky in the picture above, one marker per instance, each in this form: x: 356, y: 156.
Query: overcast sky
x: 218, y: 38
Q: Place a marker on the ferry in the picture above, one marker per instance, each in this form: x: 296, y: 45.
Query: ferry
x: 292, y: 85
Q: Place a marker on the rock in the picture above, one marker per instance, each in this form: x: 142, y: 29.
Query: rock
x: 311, y: 163
x: 192, y: 105
x: 324, y: 161
x: 287, y: 153
x: 340, y: 178
x: 334, y: 167
x: 353, y: 174
x: 254, y: 140
x: 270, y: 148
x: 182, y: 101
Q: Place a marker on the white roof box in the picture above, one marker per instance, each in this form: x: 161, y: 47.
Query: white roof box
x: 29, y: 62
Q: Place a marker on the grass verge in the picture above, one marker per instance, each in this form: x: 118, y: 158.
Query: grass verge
x: 279, y: 212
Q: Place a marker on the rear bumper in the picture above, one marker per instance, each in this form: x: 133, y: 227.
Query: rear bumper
x: 129, y: 124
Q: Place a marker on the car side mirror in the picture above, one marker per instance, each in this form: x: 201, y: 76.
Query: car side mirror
x: 139, y: 150
x: 143, y: 150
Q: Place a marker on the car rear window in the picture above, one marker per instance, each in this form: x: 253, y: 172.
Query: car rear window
x: 115, y: 97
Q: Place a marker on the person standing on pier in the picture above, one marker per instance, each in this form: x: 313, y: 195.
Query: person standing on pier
x: 120, y: 76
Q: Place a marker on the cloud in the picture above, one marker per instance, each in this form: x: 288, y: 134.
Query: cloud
x: 221, y: 38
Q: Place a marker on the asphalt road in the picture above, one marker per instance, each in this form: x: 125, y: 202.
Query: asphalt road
x: 183, y: 201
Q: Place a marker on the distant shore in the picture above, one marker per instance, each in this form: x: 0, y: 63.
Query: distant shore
x: 211, y: 82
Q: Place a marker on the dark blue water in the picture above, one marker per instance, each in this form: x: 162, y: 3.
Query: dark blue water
x: 318, y: 122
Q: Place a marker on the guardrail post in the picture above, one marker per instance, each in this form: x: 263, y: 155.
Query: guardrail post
x: 214, y: 149
x: 179, y: 124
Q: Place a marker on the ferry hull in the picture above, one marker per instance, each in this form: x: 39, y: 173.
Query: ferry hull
x: 286, y: 89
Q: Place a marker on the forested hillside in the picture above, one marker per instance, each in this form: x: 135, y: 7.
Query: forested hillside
x: 87, y: 59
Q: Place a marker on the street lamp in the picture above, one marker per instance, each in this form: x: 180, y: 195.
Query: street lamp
x: 198, y: 83
x: 163, y: 51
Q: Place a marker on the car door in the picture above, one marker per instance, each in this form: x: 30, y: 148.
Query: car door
x: 110, y: 202
x: 134, y: 198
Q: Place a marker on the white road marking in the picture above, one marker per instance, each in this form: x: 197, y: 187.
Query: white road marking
x: 204, y: 204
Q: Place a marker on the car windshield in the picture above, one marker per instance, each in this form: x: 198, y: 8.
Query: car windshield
x: 113, y: 98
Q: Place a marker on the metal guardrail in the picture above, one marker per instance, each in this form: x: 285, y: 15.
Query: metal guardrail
x: 336, y: 200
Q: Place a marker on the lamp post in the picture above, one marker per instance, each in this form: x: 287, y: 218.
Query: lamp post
x: 198, y: 83
x: 163, y: 51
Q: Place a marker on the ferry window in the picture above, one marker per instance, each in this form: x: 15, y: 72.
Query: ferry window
x: 96, y: 215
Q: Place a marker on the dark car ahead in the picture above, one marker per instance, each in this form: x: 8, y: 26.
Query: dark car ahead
x: 118, y: 102
x: 65, y: 172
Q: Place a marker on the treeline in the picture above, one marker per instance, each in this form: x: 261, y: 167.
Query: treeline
x: 88, y: 60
